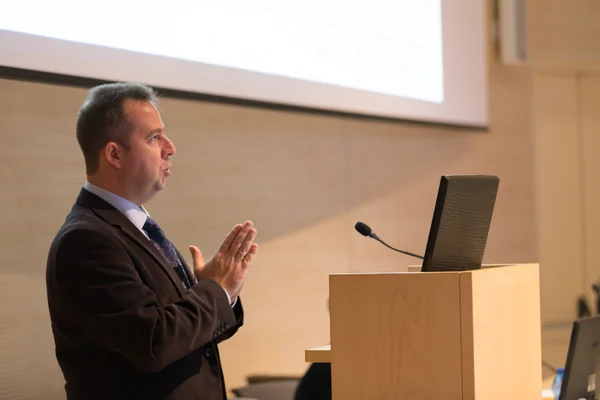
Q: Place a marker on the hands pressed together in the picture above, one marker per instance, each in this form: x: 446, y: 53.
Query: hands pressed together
x: 229, y: 266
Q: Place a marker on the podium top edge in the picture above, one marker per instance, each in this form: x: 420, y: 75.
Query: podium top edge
x: 416, y: 269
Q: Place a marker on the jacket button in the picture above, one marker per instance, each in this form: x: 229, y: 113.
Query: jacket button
x: 209, y: 352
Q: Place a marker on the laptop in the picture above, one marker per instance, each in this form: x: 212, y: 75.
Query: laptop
x: 582, y: 368
x: 461, y: 222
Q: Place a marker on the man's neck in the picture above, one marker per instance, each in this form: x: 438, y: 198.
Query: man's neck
x: 111, y: 187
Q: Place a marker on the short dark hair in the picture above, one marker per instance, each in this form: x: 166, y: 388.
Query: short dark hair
x: 102, y: 118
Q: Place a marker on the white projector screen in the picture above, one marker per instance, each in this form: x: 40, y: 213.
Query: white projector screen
x: 405, y: 59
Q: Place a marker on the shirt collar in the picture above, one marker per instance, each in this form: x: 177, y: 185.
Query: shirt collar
x: 137, y: 215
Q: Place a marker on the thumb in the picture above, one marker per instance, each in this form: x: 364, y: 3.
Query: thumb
x: 197, y: 257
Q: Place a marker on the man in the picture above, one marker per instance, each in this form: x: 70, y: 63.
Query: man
x: 130, y: 319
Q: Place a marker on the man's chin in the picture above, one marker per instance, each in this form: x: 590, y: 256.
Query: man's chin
x: 160, y: 185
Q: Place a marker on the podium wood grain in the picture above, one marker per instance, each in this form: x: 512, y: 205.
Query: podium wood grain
x: 435, y: 335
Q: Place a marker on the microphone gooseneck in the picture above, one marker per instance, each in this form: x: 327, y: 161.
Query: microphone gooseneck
x: 365, y: 230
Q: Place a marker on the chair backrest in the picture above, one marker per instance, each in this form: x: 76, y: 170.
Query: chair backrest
x: 257, y: 378
x: 280, y: 389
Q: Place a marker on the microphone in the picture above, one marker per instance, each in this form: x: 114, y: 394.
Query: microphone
x: 365, y: 230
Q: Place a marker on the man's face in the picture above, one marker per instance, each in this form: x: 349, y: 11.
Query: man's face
x: 146, y: 165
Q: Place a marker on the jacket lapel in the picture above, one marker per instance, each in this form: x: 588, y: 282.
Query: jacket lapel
x: 111, y: 215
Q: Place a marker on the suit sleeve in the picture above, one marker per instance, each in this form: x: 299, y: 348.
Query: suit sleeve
x: 230, y: 331
x: 100, y: 291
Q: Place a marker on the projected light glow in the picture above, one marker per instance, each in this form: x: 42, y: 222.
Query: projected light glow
x: 390, y: 52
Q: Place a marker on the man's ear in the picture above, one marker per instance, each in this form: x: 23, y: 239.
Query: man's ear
x: 113, y: 154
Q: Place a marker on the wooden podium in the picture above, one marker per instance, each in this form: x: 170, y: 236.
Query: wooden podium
x: 435, y: 335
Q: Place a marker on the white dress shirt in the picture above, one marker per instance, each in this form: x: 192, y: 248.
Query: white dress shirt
x: 137, y: 215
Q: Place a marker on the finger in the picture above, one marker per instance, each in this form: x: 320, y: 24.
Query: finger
x: 197, y: 257
x: 229, y: 239
x: 250, y: 255
x: 239, y: 231
x: 239, y: 240
x: 245, y: 247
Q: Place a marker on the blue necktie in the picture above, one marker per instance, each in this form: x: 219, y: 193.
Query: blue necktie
x: 157, y: 236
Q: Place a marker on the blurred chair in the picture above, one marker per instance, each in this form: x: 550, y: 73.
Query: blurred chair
x: 268, y: 388
x: 258, y: 378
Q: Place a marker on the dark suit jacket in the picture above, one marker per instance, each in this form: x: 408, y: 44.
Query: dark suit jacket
x: 123, y: 324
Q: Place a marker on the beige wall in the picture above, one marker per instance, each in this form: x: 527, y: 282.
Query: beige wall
x: 564, y: 48
x: 305, y: 180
